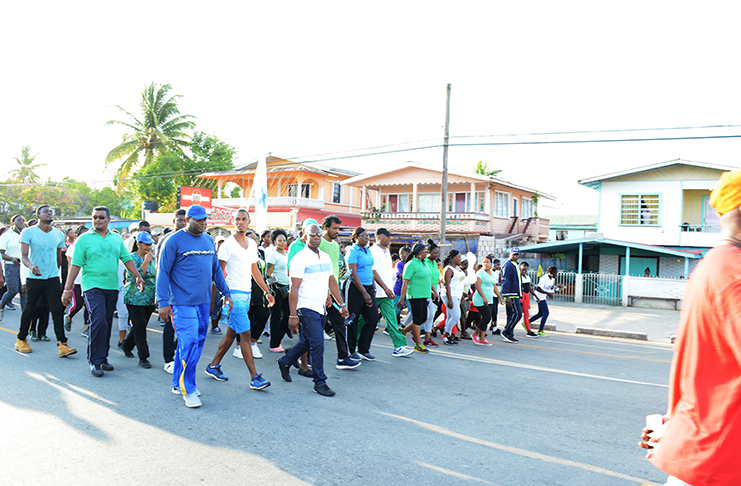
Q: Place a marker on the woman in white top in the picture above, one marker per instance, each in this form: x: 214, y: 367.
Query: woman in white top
x: 546, y: 286
x: 454, y: 280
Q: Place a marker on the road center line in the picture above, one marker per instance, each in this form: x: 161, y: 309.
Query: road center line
x: 518, y: 451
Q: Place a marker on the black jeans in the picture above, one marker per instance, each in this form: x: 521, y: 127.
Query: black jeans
x: 48, y: 290
x: 101, y: 304
x: 139, y: 316
x: 168, y: 342
x: 279, y: 316
x: 356, y: 305
x: 485, y: 314
x: 340, y: 333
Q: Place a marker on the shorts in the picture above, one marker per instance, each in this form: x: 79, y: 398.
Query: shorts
x: 418, y: 308
x: 239, y: 320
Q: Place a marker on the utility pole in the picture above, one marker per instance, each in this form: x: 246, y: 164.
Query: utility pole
x: 444, y: 202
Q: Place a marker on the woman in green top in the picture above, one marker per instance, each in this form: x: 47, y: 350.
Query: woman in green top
x: 140, y: 304
x: 483, y: 299
x: 417, y: 287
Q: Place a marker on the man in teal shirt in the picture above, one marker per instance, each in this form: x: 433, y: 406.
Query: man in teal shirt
x: 41, y: 251
x: 97, y: 253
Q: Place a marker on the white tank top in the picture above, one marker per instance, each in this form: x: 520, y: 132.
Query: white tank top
x: 456, y: 281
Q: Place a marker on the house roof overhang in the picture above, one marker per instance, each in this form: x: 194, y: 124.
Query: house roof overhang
x: 589, y: 243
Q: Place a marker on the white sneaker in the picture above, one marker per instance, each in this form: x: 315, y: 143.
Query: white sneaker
x: 237, y: 353
x: 169, y: 366
x: 176, y: 391
x: 402, y: 351
x: 327, y: 337
x: 256, y: 351
x: 192, y: 400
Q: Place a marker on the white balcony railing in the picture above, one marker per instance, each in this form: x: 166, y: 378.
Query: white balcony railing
x: 431, y: 215
x: 273, y: 202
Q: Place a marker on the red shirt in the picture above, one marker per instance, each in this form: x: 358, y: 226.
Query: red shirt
x: 702, y: 442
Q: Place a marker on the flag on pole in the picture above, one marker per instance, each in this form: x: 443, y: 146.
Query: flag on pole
x: 260, y: 194
x: 540, y: 272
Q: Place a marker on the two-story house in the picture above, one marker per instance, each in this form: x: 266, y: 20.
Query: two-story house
x: 407, y: 201
x: 296, y: 191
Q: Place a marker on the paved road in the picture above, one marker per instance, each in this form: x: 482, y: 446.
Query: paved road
x: 562, y: 410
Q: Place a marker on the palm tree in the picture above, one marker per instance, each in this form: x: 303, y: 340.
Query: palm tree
x: 160, y: 129
x: 25, y: 171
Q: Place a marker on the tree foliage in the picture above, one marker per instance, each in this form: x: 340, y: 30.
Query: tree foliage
x: 25, y: 171
x: 160, y: 128
x: 68, y: 198
x: 159, y: 180
x: 482, y: 168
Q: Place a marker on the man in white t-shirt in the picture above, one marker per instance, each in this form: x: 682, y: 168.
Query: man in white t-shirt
x: 311, y: 275
x: 384, y: 276
x: 238, y: 259
x: 10, y: 249
x: 546, y: 286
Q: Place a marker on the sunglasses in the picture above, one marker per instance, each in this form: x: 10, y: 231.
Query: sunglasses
x: 314, y: 235
x: 99, y: 217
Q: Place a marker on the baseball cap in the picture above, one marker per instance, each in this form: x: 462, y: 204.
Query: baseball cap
x: 514, y: 250
x: 727, y: 193
x: 383, y: 231
x: 144, y: 237
x: 196, y: 212
x: 308, y: 222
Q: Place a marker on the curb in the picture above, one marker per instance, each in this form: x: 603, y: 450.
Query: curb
x: 609, y: 333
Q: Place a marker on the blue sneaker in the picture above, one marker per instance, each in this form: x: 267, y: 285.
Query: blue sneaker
x: 355, y: 356
x: 216, y: 330
x: 258, y: 382
x: 215, y: 373
x: 347, y: 364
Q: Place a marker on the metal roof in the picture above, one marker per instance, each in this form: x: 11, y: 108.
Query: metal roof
x: 573, y: 245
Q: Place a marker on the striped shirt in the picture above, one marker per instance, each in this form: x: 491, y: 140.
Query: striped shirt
x: 314, y: 271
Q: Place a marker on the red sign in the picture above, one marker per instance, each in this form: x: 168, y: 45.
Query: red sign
x: 194, y: 196
x: 221, y: 216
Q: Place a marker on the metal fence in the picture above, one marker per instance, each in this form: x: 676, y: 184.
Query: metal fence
x: 565, y: 279
x: 602, y: 289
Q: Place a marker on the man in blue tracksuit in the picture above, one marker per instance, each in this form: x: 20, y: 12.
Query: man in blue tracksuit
x: 188, y: 264
x: 512, y: 293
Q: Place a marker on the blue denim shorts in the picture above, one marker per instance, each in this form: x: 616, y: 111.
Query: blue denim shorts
x: 239, y: 321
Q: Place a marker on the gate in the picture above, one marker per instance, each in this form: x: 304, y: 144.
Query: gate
x: 602, y: 289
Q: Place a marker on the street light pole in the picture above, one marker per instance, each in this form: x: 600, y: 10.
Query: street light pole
x: 444, y: 202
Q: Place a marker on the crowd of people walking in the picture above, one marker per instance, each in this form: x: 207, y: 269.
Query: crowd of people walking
x: 253, y: 285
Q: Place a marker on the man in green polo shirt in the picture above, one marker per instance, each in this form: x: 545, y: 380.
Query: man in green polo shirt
x: 97, y: 253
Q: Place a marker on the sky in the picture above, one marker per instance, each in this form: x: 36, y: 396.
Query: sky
x: 303, y: 78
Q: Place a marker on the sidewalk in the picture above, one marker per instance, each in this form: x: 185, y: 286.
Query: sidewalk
x: 658, y: 324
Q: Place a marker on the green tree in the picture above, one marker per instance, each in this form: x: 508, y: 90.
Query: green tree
x: 483, y: 168
x: 160, y: 129
x: 25, y: 170
x: 159, y: 180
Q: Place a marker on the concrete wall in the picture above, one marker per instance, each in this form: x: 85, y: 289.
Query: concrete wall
x: 653, y: 287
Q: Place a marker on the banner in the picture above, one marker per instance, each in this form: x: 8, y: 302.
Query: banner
x: 221, y: 216
x: 194, y: 196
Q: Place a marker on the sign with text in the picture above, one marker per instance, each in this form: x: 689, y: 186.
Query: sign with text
x: 194, y: 196
x: 221, y: 216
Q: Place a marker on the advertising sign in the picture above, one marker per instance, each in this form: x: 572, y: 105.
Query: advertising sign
x: 220, y: 216
x: 194, y: 196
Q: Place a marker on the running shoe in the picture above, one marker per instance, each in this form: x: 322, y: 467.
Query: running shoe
x: 496, y: 331
x: 85, y: 333
x: 169, y: 366
x: 402, y: 351
x: 279, y: 349
x: 508, y: 339
x: 33, y: 336
x: 346, y: 364
x: 237, y: 352
x: 432, y: 343
x: 421, y: 349
x: 484, y: 342
x: 367, y: 356
x: 258, y: 382
x: 355, y: 357
x: 531, y: 334
x: 44, y: 339
x: 541, y: 333
x: 216, y: 330
x: 475, y: 339
x: 256, y: 351
x: 192, y: 400
x: 176, y: 391
x: 447, y: 341
x: 67, y: 323
x: 216, y: 373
